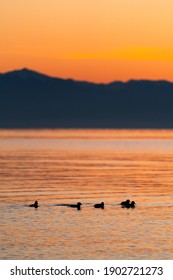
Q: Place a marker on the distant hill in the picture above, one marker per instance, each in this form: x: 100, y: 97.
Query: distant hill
x: 29, y: 99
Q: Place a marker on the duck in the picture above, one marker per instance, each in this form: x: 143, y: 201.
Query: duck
x: 132, y: 204
x: 99, y: 205
x: 35, y: 205
x: 129, y: 205
x: 78, y: 205
x: 125, y: 203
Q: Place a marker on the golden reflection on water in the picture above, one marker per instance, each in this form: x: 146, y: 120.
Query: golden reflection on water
x: 66, y: 166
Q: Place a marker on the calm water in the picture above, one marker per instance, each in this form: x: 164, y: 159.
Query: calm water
x: 66, y: 166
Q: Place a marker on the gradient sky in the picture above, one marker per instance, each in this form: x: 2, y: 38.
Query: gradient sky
x: 94, y: 40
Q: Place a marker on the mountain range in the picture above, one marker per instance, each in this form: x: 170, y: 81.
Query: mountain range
x: 29, y: 99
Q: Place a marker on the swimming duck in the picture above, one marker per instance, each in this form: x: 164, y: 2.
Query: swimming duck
x: 78, y: 205
x: 129, y: 205
x: 35, y: 205
x: 99, y: 205
x: 125, y: 203
x: 132, y: 204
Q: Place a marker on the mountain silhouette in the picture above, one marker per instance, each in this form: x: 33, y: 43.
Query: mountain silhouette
x: 29, y: 99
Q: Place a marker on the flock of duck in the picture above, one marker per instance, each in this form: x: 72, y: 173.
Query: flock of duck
x: 124, y: 204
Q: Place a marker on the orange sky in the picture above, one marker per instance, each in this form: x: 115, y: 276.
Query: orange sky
x: 95, y: 40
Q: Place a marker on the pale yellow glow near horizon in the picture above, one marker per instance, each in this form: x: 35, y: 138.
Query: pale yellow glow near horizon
x: 96, y: 40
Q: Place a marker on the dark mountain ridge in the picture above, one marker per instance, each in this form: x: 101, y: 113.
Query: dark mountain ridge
x: 29, y: 99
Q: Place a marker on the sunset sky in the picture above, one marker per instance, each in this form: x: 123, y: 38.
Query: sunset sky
x: 94, y: 40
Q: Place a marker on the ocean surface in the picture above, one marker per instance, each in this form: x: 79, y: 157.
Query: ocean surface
x: 61, y: 167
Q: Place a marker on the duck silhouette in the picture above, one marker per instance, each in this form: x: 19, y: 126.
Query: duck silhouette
x: 35, y: 205
x: 77, y: 206
x: 125, y: 203
x: 99, y: 205
x: 132, y: 204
